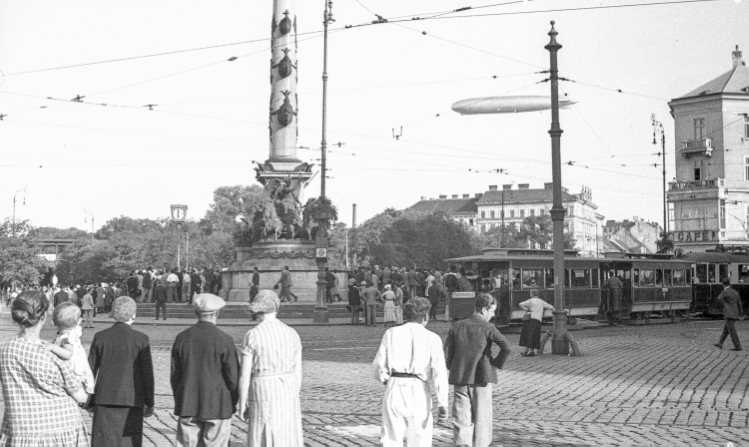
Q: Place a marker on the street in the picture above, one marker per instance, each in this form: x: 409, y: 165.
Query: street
x: 661, y: 384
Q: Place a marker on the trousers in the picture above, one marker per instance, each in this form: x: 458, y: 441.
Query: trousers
x: 472, y: 415
x: 196, y: 432
x: 160, y: 305
x: 406, y: 412
x: 371, y: 315
x: 355, y: 313
x: 729, y: 328
x: 171, y: 292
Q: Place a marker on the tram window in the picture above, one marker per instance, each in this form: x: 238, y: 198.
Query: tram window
x: 723, y: 272
x: 637, y: 277
x: 595, y: 278
x: 701, y: 273
x: 533, y: 278
x: 515, y: 275
x: 667, y: 275
x: 711, y: 273
x: 549, y: 278
x: 580, y: 278
x: 566, y: 278
x: 743, y: 272
x: 647, y: 277
x: 680, y: 277
x: 659, y: 277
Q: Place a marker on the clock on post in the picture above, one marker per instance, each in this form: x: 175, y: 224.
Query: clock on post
x: 179, y: 213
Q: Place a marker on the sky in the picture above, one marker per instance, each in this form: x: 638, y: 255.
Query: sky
x: 67, y: 162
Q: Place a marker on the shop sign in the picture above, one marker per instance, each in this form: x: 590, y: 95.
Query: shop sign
x: 695, y: 236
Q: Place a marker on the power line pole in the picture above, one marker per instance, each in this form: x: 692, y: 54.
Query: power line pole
x: 657, y: 125
x: 327, y: 18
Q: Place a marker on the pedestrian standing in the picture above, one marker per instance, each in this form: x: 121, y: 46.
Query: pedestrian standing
x: 147, y: 285
x: 371, y: 299
x: 530, y: 334
x: 204, y: 378
x: 434, y: 299
x: 413, y: 283
x: 388, y: 308
x: 398, y: 304
x: 120, y: 358
x: 87, y: 307
x: 271, y: 378
x: 254, y: 284
x: 732, y: 311
x: 473, y: 372
x: 172, y: 286
x: 186, y: 288
x: 354, y: 301
x: 613, y: 288
x: 160, y: 298
x: 452, y: 285
x: 409, y: 359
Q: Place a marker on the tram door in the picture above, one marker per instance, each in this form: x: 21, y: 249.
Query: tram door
x: 623, y: 271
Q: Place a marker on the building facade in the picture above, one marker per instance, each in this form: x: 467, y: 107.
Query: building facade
x: 709, y: 198
x: 635, y: 236
x: 485, y: 211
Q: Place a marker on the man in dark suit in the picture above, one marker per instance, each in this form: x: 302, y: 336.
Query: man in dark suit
x: 205, y: 374
x: 120, y: 358
x: 732, y: 311
x: 254, y: 285
x: 132, y: 285
x: 472, y: 372
x: 159, y: 297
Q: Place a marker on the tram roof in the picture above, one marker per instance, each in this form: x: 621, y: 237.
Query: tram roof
x: 716, y: 256
x: 577, y: 260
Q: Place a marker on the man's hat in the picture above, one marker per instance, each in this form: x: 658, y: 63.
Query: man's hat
x: 208, y: 302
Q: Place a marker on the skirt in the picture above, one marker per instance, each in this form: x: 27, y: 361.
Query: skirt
x: 530, y: 334
x: 389, y: 310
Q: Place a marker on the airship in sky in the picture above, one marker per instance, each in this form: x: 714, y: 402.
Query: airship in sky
x: 507, y: 104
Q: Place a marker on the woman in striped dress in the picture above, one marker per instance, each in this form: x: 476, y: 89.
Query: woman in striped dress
x: 271, y: 378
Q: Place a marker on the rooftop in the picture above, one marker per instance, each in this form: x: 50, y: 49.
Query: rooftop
x: 734, y: 81
x: 447, y: 206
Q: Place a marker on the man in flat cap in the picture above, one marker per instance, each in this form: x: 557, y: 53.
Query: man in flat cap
x: 205, y: 375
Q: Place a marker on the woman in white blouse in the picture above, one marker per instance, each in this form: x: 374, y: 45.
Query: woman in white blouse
x: 530, y: 334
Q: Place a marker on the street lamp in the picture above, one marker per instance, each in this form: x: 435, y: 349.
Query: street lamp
x: 560, y: 338
x: 22, y: 191
x: 179, y: 215
x: 656, y: 127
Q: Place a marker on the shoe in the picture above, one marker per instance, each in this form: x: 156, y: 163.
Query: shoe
x: 718, y: 345
x: 531, y: 354
x: 524, y: 354
x: 736, y: 349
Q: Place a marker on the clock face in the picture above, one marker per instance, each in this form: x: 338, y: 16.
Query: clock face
x: 179, y: 214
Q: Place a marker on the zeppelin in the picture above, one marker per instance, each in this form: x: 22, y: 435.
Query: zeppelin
x: 506, y: 104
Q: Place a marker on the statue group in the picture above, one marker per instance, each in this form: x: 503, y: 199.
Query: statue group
x: 279, y: 214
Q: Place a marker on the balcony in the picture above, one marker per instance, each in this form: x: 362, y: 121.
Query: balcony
x: 697, y: 147
x: 698, y: 184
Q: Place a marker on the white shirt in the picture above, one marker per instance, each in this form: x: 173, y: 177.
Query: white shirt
x: 536, y: 306
x: 412, y: 349
x: 172, y: 278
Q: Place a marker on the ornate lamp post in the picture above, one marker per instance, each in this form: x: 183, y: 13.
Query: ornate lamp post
x: 560, y: 337
x: 656, y: 127
x: 179, y: 215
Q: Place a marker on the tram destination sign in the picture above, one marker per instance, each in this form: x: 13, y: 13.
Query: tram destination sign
x: 464, y: 295
x: 695, y: 236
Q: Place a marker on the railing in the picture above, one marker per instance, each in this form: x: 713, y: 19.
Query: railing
x: 696, y: 147
x: 698, y: 184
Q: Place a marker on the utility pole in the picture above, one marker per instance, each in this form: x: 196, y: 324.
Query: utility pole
x: 327, y: 19
x: 503, y: 217
x: 15, y: 195
x: 656, y: 127
x: 559, y: 340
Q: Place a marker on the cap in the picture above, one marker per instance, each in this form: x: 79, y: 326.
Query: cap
x: 363, y: 283
x: 266, y: 301
x: 208, y: 302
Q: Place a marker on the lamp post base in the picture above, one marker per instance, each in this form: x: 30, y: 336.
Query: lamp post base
x: 320, y: 316
x: 559, y: 339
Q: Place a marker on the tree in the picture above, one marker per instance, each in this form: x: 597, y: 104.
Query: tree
x: 533, y: 231
x: 19, y: 260
x: 665, y: 244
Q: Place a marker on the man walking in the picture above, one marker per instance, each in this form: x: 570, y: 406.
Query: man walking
x: 255, y: 284
x: 204, y: 378
x: 285, y: 282
x: 472, y: 372
x: 732, y: 311
x: 409, y: 359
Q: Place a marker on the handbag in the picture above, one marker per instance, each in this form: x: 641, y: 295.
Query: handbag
x: 527, y: 315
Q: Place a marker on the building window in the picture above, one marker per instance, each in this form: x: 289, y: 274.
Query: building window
x: 697, y: 170
x: 470, y: 222
x: 746, y: 168
x: 491, y: 214
x: 533, y: 212
x: 483, y: 228
x: 502, y: 214
x: 746, y: 126
x: 491, y: 226
x: 722, y: 213
x: 512, y: 213
x: 522, y: 213
x: 699, y: 128
x: 483, y: 214
x: 541, y: 211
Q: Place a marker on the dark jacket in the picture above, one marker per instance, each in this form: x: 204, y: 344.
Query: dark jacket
x: 468, y: 351
x: 329, y: 280
x: 159, y: 294
x: 731, y: 301
x: 353, y: 296
x: 255, y: 279
x: 451, y: 282
x: 60, y: 297
x: 205, y: 373
x: 132, y: 283
x: 147, y: 280
x: 120, y: 358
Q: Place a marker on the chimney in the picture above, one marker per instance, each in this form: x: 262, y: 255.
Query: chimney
x: 478, y: 195
x: 423, y: 198
x: 524, y: 185
x: 443, y: 197
x: 465, y: 196
x: 737, y: 60
x: 507, y: 187
x: 492, y: 187
x: 455, y: 196
x: 548, y: 186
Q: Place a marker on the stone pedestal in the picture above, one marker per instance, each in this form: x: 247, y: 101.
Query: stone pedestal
x: 270, y: 258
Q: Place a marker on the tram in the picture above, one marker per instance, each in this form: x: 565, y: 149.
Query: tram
x: 710, y: 268
x: 649, y: 285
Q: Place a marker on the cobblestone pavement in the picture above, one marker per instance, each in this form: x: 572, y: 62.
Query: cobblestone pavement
x: 659, y: 384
